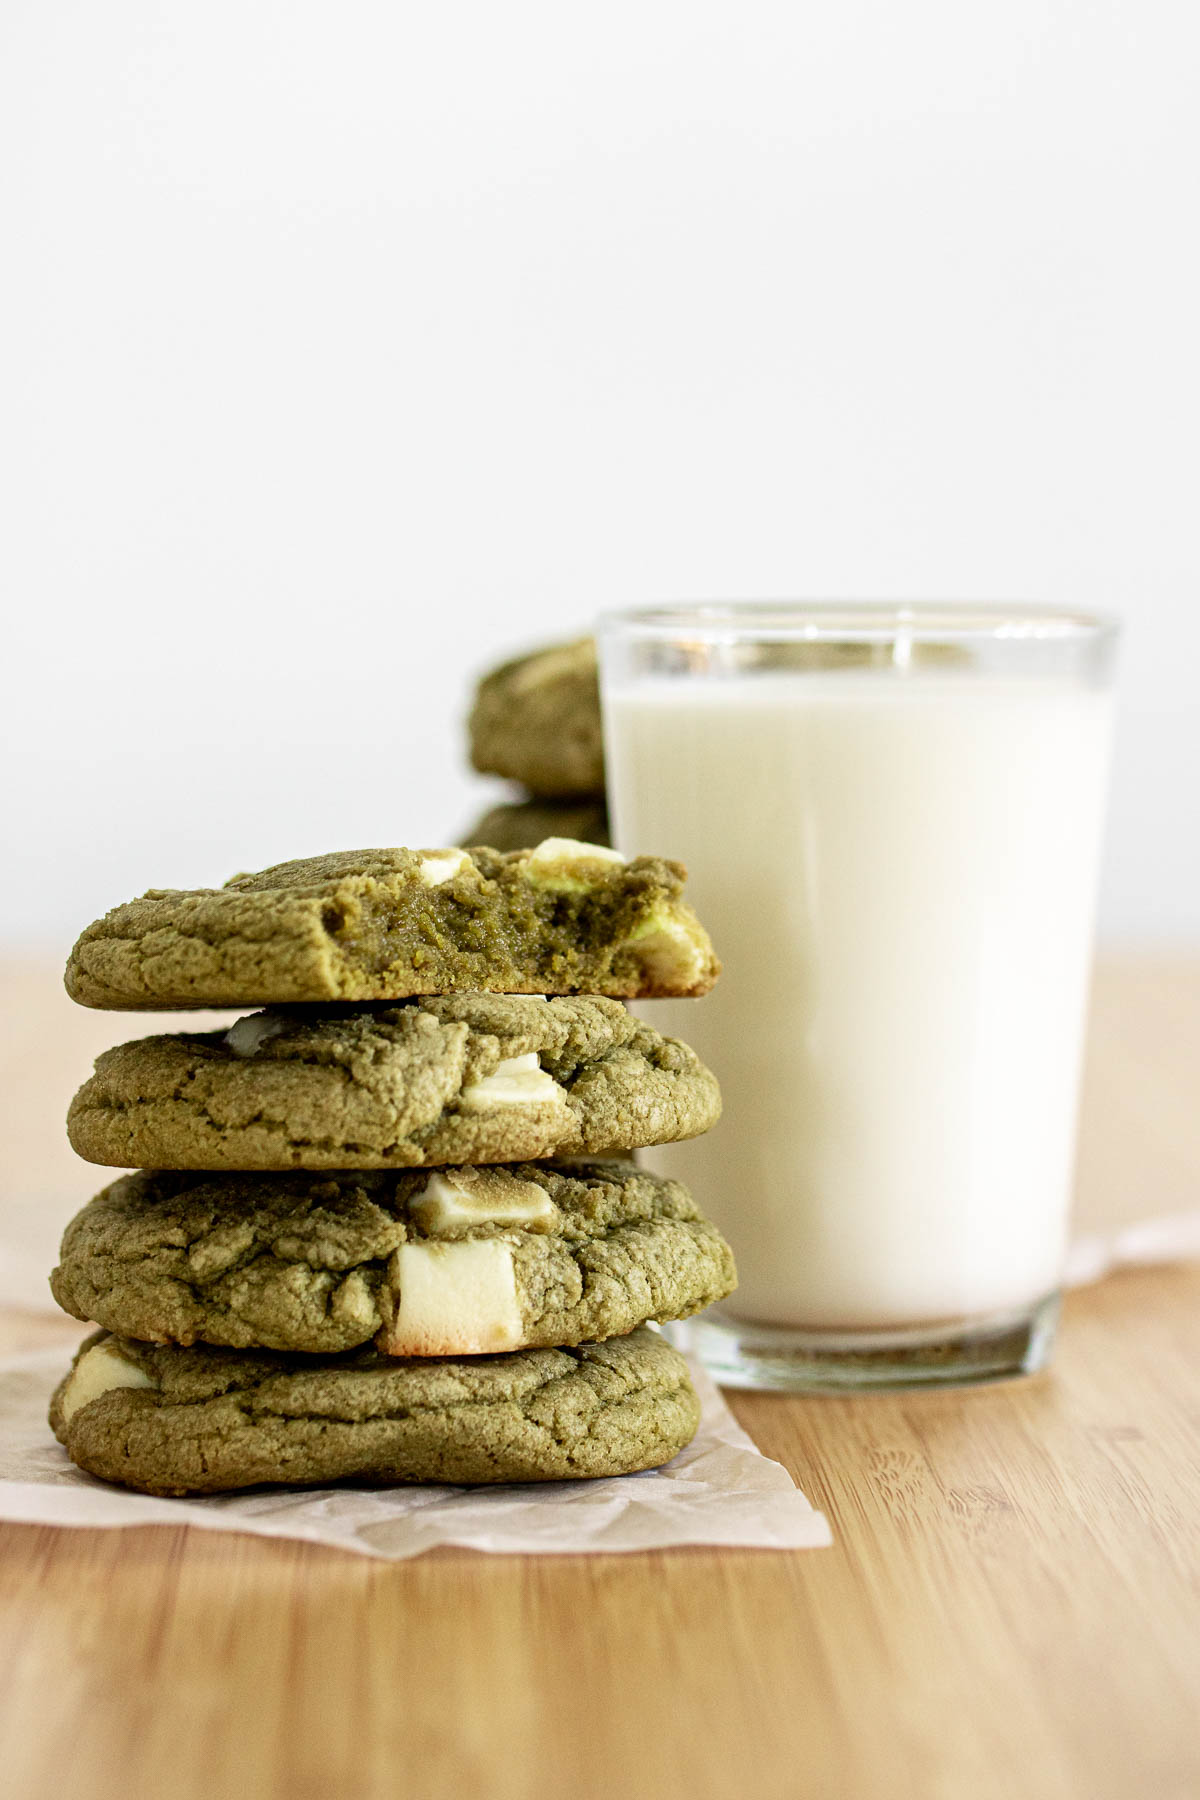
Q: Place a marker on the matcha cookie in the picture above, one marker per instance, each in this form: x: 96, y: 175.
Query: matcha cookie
x: 169, y: 1421
x: 564, y: 918
x: 469, y: 1078
x: 451, y: 1262
x: 520, y: 825
x: 537, y: 721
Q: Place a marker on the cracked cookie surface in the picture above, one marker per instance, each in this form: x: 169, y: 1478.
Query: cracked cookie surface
x: 450, y: 1261
x: 469, y: 1078
x: 536, y: 720
x: 171, y: 1421
x: 562, y: 918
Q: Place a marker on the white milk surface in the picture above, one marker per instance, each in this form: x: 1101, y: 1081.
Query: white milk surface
x: 898, y: 874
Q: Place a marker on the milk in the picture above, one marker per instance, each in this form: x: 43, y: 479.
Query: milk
x: 898, y: 873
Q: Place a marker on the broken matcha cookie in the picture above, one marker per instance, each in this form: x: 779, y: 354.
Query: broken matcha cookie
x: 455, y: 1261
x: 469, y: 1078
x: 563, y: 918
x: 536, y: 720
x: 171, y: 1421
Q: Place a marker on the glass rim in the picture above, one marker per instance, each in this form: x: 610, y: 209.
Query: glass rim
x: 860, y: 621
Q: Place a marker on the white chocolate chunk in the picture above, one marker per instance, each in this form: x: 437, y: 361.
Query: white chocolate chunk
x: 101, y: 1370
x: 247, y: 1035
x: 456, y: 1299
x: 443, y: 865
x: 671, y: 951
x: 570, y: 850
x: 515, y: 1081
x: 482, y: 1197
x: 567, y: 865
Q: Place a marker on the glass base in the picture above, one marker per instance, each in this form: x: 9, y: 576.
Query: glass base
x: 955, y: 1353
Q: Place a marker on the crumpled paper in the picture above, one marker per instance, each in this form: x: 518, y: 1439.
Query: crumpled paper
x: 720, y: 1490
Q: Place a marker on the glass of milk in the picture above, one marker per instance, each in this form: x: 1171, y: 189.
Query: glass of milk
x: 891, y: 817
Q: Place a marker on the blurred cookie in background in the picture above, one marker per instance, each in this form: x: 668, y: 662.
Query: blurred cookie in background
x: 523, y: 824
x: 536, y: 720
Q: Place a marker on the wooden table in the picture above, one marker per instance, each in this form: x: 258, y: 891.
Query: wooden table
x: 1012, y: 1605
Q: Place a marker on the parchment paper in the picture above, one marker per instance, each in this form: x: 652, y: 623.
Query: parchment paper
x: 720, y: 1490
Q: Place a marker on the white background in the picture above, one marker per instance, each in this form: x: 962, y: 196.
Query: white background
x: 346, y: 346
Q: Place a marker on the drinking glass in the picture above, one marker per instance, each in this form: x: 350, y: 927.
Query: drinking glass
x: 891, y: 817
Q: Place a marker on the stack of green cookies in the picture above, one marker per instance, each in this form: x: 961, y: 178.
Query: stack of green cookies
x: 366, y: 1237
x: 536, y: 721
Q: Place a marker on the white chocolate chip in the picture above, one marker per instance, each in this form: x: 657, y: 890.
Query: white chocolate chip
x: 454, y: 1197
x: 571, y: 850
x: 567, y: 865
x: 247, y: 1035
x: 98, y: 1372
x: 671, y: 951
x: 455, y: 1299
x: 515, y: 1081
x: 442, y: 865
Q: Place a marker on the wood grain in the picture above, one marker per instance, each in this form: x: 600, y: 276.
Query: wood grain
x: 1012, y: 1605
